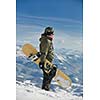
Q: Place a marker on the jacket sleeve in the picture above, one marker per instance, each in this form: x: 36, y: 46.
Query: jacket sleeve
x: 44, y: 47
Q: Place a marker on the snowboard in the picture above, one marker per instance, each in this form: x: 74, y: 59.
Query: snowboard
x: 62, y: 79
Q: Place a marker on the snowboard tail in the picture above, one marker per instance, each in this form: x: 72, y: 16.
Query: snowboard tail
x: 62, y: 79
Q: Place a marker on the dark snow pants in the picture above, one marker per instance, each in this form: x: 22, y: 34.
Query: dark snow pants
x: 47, y: 78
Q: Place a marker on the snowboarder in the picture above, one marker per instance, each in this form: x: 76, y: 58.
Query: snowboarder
x: 47, y: 52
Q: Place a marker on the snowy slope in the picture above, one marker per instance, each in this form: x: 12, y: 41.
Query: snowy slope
x: 68, y: 61
x: 28, y: 91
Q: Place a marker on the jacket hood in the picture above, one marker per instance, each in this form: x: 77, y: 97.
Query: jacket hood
x: 44, y: 37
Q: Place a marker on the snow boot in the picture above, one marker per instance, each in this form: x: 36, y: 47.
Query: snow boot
x: 46, y: 84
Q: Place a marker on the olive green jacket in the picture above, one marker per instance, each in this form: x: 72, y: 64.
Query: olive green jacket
x: 46, y: 49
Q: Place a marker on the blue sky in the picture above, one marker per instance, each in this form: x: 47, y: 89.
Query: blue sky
x: 71, y: 9
x: 32, y: 16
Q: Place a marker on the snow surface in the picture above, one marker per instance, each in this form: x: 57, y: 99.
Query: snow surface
x: 28, y: 91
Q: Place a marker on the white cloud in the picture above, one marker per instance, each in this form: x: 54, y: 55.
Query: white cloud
x: 53, y: 19
x: 69, y: 42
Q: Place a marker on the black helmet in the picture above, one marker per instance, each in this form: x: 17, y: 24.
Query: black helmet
x: 48, y: 31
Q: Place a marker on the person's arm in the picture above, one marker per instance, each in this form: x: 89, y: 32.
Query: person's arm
x: 44, y: 46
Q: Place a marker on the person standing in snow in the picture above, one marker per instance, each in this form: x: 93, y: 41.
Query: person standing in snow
x: 47, y: 52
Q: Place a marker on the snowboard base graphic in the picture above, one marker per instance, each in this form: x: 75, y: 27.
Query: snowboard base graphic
x: 62, y: 79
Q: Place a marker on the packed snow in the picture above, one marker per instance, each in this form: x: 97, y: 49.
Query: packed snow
x: 28, y: 91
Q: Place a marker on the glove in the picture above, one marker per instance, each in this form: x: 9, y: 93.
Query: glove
x: 41, y: 65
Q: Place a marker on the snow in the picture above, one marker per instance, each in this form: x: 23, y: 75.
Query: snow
x: 31, y: 92
x: 60, y: 57
x: 76, y: 79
